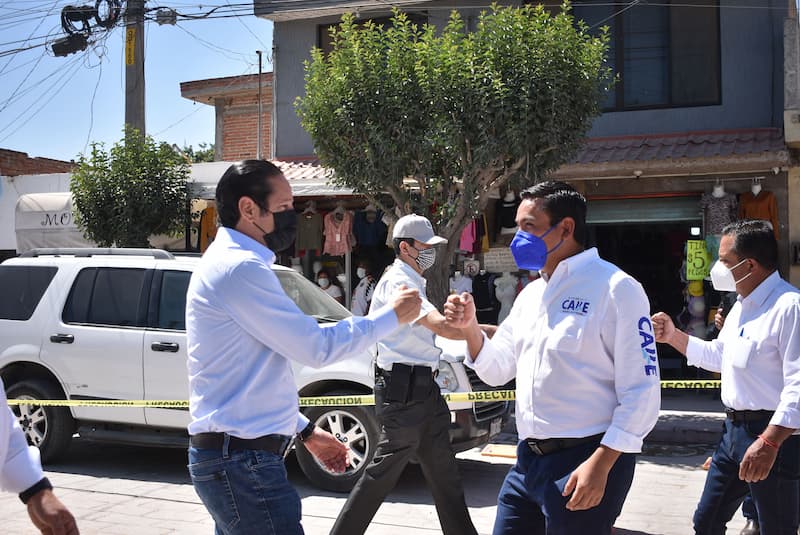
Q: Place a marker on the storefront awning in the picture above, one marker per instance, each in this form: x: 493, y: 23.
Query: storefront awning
x: 306, y: 179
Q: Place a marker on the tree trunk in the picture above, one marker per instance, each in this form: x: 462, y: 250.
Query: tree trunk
x: 438, y: 276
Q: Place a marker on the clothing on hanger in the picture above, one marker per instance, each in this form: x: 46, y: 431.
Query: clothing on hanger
x: 762, y: 206
x: 719, y: 211
x: 338, y: 231
x: 309, y: 231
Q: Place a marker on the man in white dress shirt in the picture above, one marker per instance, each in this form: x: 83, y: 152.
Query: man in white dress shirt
x: 758, y: 354
x: 580, y: 343
x: 242, y: 332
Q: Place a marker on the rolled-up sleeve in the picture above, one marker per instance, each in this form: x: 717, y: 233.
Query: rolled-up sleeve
x: 706, y: 355
x: 636, y: 379
x: 788, y: 412
x: 20, y: 466
x: 496, y: 364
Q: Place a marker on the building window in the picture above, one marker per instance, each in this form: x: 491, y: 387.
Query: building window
x: 663, y: 55
x: 325, y: 43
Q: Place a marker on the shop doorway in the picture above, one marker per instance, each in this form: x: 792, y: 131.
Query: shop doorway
x: 647, y: 238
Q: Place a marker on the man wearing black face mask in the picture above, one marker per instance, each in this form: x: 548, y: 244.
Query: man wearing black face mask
x: 242, y: 333
x: 414, y: 418
x: 580, y: 344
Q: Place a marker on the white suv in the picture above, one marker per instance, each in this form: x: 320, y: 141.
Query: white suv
x: 108, y: 324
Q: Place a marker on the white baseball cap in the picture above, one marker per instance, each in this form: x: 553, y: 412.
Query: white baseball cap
x: 417, y: 227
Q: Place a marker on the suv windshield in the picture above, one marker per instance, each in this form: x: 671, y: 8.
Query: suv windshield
x: 310, y: 298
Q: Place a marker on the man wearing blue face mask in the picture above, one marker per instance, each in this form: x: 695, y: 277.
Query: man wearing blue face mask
x: 412, y: 414
x: 580, y: 343
x: 758, y: 354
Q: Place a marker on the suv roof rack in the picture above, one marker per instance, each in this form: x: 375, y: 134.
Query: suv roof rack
x: 96, y: 251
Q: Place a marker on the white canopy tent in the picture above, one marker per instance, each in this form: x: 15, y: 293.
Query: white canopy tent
x: 46, y: 220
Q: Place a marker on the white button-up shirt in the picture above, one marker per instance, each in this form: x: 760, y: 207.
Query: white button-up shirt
x: 242, y: 331
x: 362, y: 296
x: 20, y: 467
x: 758, y: 352
x: 582, y: 349
x: 410, y: 344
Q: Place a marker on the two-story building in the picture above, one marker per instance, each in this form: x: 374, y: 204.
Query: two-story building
x: 698, y: 110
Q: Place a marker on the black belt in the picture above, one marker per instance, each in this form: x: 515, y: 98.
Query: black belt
x: 277, y: 444
x: 547, y: 446
x: 380, y: 372
x: 748, y: 416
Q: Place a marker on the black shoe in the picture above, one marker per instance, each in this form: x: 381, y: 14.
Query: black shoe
x: 751, y: 528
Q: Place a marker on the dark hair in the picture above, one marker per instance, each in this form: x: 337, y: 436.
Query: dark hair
x: 561, y: 200
x: 334, y: 280
x: 247, y: 178
x: 754, y: 239
x: 398, y: 241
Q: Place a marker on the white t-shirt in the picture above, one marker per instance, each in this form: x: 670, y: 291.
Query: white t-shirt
x: 334, y: 291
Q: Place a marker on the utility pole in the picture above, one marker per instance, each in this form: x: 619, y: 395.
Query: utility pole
x: 259, y: 154
x: 134, y: 65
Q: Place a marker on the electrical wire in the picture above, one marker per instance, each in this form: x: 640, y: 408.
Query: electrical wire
x: 91, y: 106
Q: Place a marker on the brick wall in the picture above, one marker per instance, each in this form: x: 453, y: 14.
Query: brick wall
x: 13, y: 163
x: 240, y: 126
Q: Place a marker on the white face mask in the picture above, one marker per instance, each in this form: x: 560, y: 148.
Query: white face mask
x: 722, y: 277
x: 361, y: 273
x: 324, y: 283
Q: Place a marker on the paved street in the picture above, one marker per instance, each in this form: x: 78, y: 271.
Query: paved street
x: 126, y: 490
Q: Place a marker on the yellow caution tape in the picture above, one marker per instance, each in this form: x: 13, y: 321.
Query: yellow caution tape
x: 354, y: 400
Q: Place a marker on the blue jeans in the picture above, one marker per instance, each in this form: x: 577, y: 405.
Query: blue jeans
x: 245, y: 491
x: 775, y: 498
x: 530, y: 500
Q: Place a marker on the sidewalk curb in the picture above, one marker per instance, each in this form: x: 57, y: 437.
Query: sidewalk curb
x: 683, y: 427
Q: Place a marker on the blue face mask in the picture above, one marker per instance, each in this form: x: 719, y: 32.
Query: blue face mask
x: 530, y: 251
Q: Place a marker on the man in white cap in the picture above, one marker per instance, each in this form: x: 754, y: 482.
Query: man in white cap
x: 413, y: 416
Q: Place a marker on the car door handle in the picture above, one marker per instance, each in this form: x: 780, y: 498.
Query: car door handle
x: 165, y: 346
x: 62, y: 338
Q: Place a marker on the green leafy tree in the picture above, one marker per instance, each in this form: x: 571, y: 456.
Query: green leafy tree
x: 442, y: 116
x: 204, y: 152
x: 137, y: 189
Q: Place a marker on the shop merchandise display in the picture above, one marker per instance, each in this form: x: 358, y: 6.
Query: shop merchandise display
x: 719, y: 209
x: 338, y: 230
x: 505, y: 292
x: 460, y: 284
x: 309, y: 229
x: 759, y: 204
x: 368, y: 227
x: 483, y: 293
x: 506, y: 215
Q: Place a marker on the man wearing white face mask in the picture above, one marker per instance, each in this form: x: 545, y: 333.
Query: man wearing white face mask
x: 413, y: 416
x: 758, y: 354
x: 362, y: 295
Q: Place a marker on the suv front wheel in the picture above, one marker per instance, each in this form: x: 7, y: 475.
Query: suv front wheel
x: 48, y: 428
x: 357, y: 428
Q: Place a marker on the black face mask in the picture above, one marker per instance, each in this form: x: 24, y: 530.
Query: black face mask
x: 285, y: 231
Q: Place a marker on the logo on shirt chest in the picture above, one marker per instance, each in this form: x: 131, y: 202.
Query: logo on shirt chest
x: 575, y: 305
x: 648, y: 343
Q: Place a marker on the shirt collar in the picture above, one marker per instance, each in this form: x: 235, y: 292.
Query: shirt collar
x: 760, y: 293
x: 228, y: 237
x: 573, y: 263
x: 409, y: 271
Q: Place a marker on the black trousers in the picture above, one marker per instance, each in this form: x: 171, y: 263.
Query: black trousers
x: 415, y: 429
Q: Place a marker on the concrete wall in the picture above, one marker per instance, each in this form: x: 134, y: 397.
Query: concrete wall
x: 752, y: 79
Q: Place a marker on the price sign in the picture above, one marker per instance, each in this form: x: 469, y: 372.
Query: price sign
x: 698, y: 261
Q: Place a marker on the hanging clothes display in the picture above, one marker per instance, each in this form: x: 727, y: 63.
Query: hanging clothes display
x: 762, y: 206
x: 506, y: 214
x: 486, y: 306
x: 505, y: 293
x: 338, y: 232
x: 309, y: 231
x: 467, y: 241
x: 719, y: 211
x: 460, y: 284
x: 368, y: 227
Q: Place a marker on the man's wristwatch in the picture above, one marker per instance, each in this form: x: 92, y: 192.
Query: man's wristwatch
x: 34, y: 489
x: 306, y: 432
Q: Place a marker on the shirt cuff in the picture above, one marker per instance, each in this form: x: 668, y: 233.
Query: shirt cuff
x: 785, y: 419
x: 471, y: 362
x: 384, y: 320
x: 22, y: 471
x: 694, y: 351
x: 302, y: 422
x: 617, y: 439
